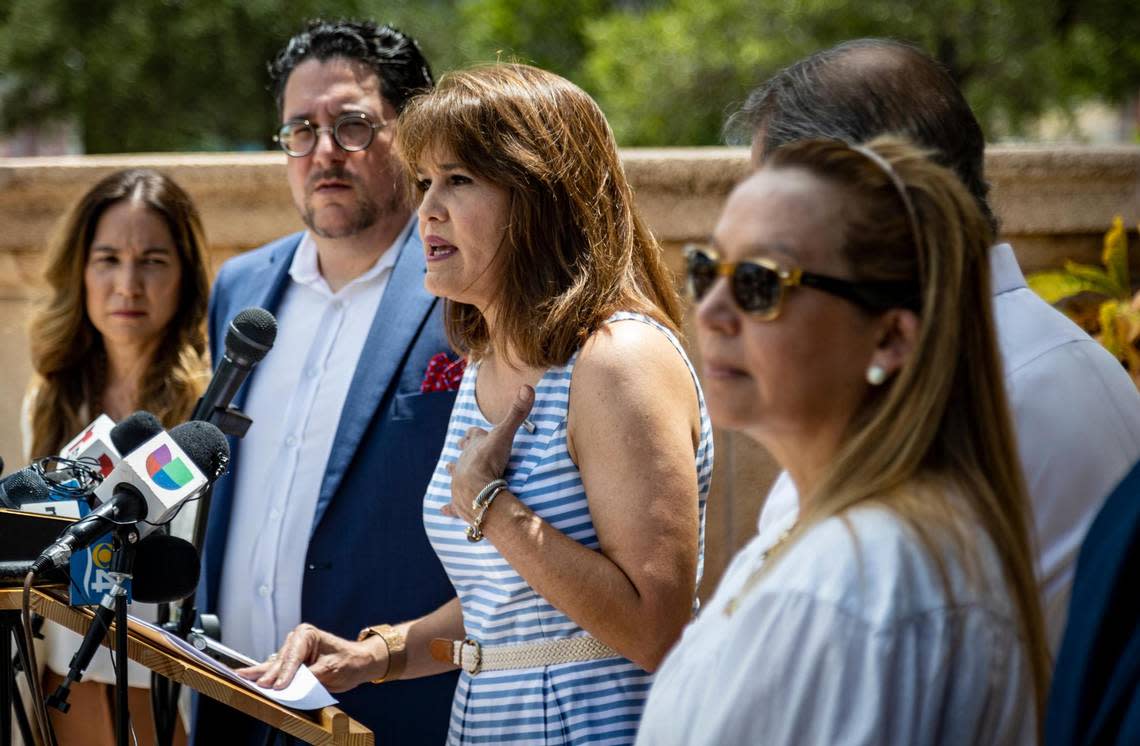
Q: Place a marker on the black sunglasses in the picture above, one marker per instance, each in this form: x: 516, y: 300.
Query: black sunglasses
x: 758, y: 285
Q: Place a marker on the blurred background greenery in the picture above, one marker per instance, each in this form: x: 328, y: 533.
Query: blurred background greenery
x: 152, y: 75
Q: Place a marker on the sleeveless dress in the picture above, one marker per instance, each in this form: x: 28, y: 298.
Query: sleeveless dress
x: 598, y: 701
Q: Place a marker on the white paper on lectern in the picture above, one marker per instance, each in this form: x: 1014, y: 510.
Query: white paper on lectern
x: 303, y: 693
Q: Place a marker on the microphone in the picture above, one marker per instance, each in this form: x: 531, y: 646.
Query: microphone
x: 163, y: 472
x: 126, y: 505
x: 88, y: 459
x: 24, y: 486
x: 249, y: 337
x: 166, y: 570
x: 135, y: 430
x: 171, y: 468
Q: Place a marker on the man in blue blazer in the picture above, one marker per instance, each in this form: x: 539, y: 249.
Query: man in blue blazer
x: 319, y: 519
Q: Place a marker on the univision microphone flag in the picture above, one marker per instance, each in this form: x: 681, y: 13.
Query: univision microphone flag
x: 162, y: 472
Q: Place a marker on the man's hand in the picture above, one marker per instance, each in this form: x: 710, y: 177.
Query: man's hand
x: 337, y: 663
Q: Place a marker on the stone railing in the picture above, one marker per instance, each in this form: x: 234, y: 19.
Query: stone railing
x: 1054, y: 203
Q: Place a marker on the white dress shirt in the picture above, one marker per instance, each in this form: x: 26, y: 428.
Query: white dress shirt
x: 1077, y: 417
x: 850, y: 638
x: 295, y: 401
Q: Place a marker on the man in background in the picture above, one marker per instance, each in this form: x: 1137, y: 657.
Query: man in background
x: 320, y: 518
x: 1075, y: 410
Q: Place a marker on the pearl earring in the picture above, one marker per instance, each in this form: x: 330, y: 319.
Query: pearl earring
x: 876, y: 374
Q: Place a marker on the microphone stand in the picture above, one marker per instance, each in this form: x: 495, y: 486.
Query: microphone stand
x: 164, y: 692
x: 113, y: 602
x: 10, y: 668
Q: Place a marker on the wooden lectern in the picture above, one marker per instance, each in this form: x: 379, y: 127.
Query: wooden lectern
x: 326, y: 726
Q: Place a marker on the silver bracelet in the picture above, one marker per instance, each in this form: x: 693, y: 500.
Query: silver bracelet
x: 481, y: 504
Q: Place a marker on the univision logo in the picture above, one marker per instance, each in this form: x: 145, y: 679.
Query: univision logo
x: 166, y: 471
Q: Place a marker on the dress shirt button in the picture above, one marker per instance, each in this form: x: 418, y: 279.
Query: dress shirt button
x: 274, y: 514
x: 291, y: 441
x: 312, y: 372
x: 338, y: 304
x: 264, y: 591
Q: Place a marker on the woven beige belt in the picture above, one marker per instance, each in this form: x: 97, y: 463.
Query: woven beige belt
x: 473, y: 657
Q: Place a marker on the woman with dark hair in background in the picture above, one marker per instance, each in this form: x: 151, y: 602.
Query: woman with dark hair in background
x: 843, y: 325
x: 568, y: 503
x: 122, y: 329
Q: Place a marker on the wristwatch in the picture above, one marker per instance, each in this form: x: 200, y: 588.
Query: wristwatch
x: 396, y: 643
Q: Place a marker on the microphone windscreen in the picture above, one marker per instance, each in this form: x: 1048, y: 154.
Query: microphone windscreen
x: 134, y: 431
x: 166, y: 569
x: 204, y: 444
x: 251, y: 335
x: 25, y: 486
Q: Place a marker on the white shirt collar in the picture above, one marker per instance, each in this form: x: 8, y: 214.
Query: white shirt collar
x: 1005, y: 274
x: 305, y: 269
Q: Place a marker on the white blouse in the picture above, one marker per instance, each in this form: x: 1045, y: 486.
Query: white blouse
x: 849, y: 639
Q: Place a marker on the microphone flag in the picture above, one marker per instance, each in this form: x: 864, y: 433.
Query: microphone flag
x: 162, y: 472
x: 94, y: 446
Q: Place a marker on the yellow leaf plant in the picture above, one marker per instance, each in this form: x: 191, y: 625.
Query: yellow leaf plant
x: 1119, y: 313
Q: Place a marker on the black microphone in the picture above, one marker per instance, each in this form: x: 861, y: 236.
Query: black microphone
x: 205, y: 445
x: 135, y: 430
x: 249, y: 337
x: 166, y: 570
x: 127, y: 505
x: 24, y: 486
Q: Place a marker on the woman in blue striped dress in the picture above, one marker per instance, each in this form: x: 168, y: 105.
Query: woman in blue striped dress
x: 568, y: 502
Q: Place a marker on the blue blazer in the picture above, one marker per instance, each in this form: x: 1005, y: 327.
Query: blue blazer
x: 368, y: 559
x: 1095, y: 696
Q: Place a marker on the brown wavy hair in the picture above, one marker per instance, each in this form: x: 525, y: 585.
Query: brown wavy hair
x: 940, y: 430
x: 576, y: 250
x: 67, y: 351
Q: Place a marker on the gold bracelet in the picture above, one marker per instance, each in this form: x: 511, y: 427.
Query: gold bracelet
x: 396, y: 643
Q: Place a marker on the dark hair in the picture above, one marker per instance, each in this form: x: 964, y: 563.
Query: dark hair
x: 576, y: 249
x: 394, y: 56
x: 862, y: 89
x: 67, y: 350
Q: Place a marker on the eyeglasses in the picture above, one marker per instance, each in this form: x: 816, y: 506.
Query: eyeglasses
x: 352, y: 132
x: 758, y: 285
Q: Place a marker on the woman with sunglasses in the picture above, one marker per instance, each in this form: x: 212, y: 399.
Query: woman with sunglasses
x: 844, y: 325
x: 568, y: 503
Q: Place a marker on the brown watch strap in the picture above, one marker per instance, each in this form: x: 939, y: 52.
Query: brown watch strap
x: 396, y: 643
x: 441, y: 650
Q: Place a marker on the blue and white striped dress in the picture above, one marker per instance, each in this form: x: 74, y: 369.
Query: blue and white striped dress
x: 597, y: 701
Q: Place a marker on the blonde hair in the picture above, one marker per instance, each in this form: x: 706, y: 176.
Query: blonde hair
x: 941, y: 426
x: 67, y: 351
x: 576, y: 249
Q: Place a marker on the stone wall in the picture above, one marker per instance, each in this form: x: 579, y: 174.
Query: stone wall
x: 1054, y: 203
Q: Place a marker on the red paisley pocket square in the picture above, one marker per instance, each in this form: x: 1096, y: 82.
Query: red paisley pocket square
x: 443, y: 374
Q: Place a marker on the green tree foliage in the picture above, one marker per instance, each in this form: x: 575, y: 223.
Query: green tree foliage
x: 138, y: 75
x: 657, y: 71
x: 151, y: 75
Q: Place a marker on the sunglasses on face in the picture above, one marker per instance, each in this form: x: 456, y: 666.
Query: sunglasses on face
x: 758, y: 285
